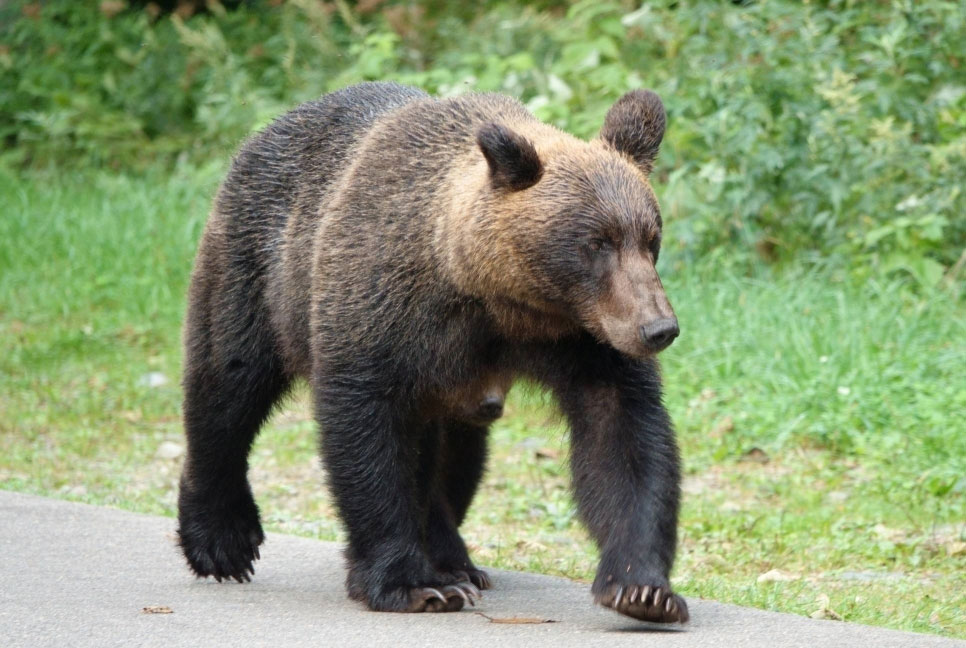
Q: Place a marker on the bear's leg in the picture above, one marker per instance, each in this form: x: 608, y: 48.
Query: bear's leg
x: 231, y: 380
x: 626, y: 480
x: 373, y: 462
x: 459, y: 469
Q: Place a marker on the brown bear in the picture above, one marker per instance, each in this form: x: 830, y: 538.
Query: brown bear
x: 410, y: 257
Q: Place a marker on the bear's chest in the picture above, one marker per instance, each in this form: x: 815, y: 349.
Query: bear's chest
x: 524, y: 323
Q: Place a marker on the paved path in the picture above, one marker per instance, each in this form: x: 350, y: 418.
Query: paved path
x: 79, y: 575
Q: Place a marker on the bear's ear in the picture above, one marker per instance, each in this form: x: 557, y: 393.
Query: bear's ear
x: 635, y: 126
x: 514, y: 163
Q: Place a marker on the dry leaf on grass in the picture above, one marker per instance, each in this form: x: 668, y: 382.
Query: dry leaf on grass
x: 824, y: 611
x: 892, y: 535
x: 777, y: 576
x: 723, y: 427
x: 111, y: 8
x: 756, y: 455
x: 547, y: 453
x: 956, y: 548
x: 169, y: 450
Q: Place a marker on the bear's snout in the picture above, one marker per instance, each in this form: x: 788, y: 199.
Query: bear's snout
x: 633, y: 314
x: 658, y: 334
x: 491, y: 407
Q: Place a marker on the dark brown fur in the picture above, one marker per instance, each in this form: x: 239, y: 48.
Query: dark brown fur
x: 410, y: 257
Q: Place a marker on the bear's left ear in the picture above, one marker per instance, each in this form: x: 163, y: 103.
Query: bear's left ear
x: 514, y: 163
x: 635, y: 126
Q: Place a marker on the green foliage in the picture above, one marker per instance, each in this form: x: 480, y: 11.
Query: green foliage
x: 77, y: 86
x: 820, y: 133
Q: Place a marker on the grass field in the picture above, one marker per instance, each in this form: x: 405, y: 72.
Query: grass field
x: 821, y: 422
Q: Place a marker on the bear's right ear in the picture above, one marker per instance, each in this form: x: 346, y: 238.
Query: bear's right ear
x: 635, y: 126
x: 514, y: 163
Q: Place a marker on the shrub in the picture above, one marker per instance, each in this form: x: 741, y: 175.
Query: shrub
x: 819, y: 133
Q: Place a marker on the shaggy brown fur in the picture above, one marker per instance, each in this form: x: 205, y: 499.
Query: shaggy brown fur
x: 411, y: 257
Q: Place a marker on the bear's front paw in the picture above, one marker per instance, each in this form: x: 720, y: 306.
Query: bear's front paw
x: 645, y: 602
x: 225, y: 553
x: 220, y: 542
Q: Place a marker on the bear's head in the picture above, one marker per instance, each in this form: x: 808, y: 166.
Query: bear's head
x: 573, y: 229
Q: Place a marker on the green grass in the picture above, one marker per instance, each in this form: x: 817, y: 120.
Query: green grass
x: 821, y: 422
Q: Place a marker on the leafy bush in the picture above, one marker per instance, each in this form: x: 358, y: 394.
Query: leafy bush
x: 820, y: 133
x: 79, y: 85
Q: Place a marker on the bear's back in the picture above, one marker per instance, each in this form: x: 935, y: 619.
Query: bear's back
x: 290, y: 166
x: 432, y: 134
x: 296, y: 157
x: 266, y: 209
x: 410, y: 165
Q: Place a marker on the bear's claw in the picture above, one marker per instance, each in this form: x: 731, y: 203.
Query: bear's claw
x: 478, y: 577
x: 647, y: 603
x: 449, y: 598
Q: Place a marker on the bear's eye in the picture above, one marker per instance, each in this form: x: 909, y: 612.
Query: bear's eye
x: 655, y: 247
x: 596, y: 245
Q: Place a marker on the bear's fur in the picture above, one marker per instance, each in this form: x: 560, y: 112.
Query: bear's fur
x: 411, y: 257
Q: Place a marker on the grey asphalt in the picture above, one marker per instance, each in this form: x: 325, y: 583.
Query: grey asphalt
x: 79, y: 575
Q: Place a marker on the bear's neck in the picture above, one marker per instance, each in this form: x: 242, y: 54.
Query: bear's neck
x: 475, y: 255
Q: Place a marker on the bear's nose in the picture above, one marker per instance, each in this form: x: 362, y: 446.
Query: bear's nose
x: 491, y: 407
x: 659, y: 334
